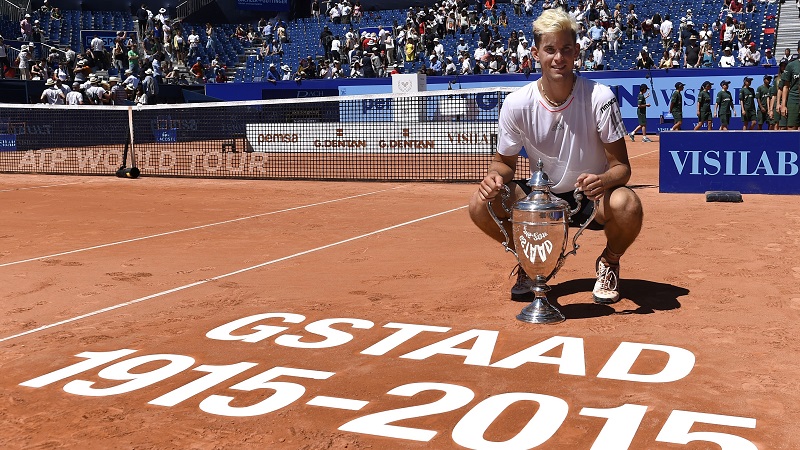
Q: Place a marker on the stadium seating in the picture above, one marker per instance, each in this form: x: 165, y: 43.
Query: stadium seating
x: 304, y: 33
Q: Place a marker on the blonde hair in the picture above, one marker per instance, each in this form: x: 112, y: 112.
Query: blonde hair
x: 554, y: 20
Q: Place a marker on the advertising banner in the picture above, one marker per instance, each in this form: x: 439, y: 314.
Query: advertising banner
x: 376, y: 137
x: 751, y: 162
x: 107, y: 36
x: 263, y: 5
x: 8, y: 142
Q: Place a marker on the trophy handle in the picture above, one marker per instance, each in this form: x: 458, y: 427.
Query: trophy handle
x: 578, y: 194
x: 505, y: 194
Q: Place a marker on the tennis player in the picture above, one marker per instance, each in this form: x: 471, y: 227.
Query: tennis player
x: 574, y: 126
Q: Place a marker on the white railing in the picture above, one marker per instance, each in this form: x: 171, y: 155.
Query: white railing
x: 11, y: 10
x: 189, y: 7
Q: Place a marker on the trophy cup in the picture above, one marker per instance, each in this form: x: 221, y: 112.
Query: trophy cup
x: 540, y: 227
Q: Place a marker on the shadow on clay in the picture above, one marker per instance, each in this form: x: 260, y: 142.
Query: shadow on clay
x: 649, y: 296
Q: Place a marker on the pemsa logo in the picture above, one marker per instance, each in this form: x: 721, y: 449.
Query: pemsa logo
x: 736, y: 162
x: 8, y: 142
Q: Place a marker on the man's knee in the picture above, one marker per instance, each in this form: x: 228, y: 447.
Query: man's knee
x: 625, y: 207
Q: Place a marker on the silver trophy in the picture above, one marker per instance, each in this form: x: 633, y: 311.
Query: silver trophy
x: 540, y: 227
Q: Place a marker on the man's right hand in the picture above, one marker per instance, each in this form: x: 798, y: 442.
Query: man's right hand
x: 490, y: 186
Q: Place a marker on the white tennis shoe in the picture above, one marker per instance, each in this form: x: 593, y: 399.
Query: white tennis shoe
x: 606, y: 288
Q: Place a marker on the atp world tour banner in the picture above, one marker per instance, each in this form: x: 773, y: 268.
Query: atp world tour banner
x: 263, y: 5
x: 751, y: 162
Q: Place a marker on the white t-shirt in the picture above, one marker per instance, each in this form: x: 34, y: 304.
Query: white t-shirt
x: 559, y: 136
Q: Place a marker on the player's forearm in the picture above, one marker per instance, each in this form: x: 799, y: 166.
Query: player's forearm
x: 502, y: 169
x: 617, y: 175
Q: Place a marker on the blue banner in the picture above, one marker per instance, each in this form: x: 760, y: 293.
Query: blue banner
x: 751, y: 162
x: 107, y: 36
x: 166, y: 136
x: 263, y: 5
x: 8, y: 142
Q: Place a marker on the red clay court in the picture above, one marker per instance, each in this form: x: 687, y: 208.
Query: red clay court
x: 202, y: 313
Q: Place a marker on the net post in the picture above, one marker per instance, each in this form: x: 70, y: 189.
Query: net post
x: 133, y: 171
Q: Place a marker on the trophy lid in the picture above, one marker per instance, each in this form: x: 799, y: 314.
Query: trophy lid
x: 539, y: 180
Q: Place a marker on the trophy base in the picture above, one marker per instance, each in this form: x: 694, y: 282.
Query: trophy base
x: 540, y: 311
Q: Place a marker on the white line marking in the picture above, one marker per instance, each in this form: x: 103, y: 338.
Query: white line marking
x: 337, y: 402
x: 651, y: 151
x: 229, y: 274
x: 45, y: 186
x: 167, y: 233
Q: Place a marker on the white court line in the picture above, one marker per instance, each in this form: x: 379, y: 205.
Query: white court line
x: 229, y: 274
x: 166, y: 233
x: 651, y: 151
x: 45, y: 186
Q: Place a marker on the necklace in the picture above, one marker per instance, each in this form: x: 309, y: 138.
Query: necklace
x: 544, y: 94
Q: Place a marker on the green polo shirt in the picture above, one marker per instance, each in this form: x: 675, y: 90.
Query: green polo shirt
x: 704, y: 99
x: 748, y: 98
x: 791, y: 77
x: 676, y: 102
x: 762, y: 96
x: 725, y: 103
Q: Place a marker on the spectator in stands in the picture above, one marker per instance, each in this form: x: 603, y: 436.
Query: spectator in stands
x: 97, y: 47
x: 632, y: 23
x: 131, y: 79
x: 728, y: 32
x: 179, y: 46
x: 727, y: 59
x: 435, y: 67
x: 5, y: 64
x: 644, y: 60
x: 514, y: 65
x: 466, y: 64
x: 52, y: 95
x: 198, y: 71
x: 704, y: 106
x: 82, y: 71
x: 141, y: 19
x: 599, y: 58
x: 705, y: 34
x: 356, y: 70
x: 133, y: 58
x: 691, y: 56
x: 118, y: 95
x: 614, y: 35
x: 119, y: 56
x: 648, y: 30
x: 39, y: 71
x: 768, y: 60
x: 687, y: 33
x: 597, y: 34
x: 707, y: 59
x: 666, y: 60
x: 25, y: 28
x: 37, y: 35
x: 675, y: 56
x: 724, y: 105
x: 95, y: 94
x: 750, y: 56
x: 150, y: 88
x: 24, y: 57
x: 209, y: 37
x: 589, y: 64
x: 75, y: 96
x: 450, y: 67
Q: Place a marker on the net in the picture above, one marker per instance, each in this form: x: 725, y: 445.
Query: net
x: 431, y: 136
